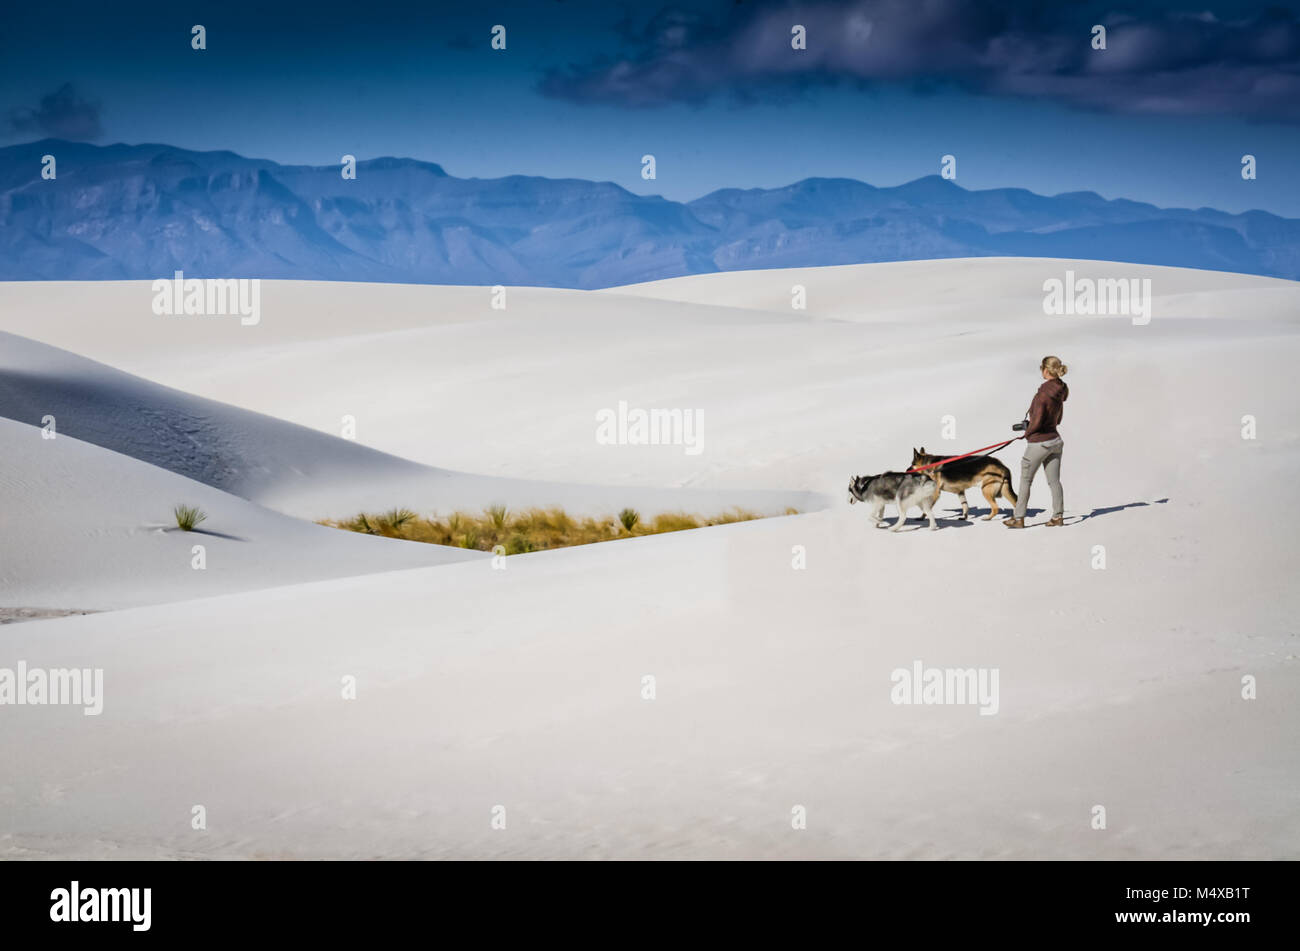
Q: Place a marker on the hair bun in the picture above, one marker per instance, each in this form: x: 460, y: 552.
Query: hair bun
x: 1064, y: 369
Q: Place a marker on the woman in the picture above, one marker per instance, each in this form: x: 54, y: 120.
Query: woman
x: 1045, y: 443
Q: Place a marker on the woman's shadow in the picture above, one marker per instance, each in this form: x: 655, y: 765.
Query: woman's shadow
x: 1070, y: 520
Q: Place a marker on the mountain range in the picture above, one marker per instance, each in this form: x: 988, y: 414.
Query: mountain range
x: 144, y: 211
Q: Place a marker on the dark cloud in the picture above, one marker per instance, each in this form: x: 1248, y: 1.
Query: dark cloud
x: 62, y: 115
x: 1157, y: 63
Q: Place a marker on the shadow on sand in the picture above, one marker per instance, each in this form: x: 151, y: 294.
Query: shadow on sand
x: 951, y: 517
x: 209, y: 532
x: 1119, y: 508
x: 922, y: 524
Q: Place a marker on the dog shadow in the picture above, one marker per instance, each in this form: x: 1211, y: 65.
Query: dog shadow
x: 977, y: 515
x: 921, y: 523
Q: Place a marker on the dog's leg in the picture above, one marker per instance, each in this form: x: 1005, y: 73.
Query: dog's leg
x: 927, y: 509
x: 991, y: 489
x: 877, y: 513
x: 902, y: 513
x: 1008, y: 494
x: 965, y: 509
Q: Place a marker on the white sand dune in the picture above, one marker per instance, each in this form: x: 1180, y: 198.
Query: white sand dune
x: 85, y: 527
x: 522, y: 687
x: 789, y: 399
x: 283, y: 466
x: 988, y: 289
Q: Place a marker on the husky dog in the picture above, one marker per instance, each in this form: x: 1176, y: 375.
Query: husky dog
x: 956, y: 477
x: 904, y: 489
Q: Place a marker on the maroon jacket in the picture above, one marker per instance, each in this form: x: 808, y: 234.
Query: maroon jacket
x: 1046, y: 410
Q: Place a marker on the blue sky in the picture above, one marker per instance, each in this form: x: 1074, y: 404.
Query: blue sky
x: 713, y: 90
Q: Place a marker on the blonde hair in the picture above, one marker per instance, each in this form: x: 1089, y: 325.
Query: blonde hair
x: 1054, y: 367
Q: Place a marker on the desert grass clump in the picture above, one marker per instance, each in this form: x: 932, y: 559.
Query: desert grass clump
x: 392, y: 523
x: 188, y: 516
x: 518, y: 532
x: 673, y: 522
x: 738, y: 514
x: 398, y: 517
x: 496, y: 514
x: 360, y: 524
x: 518, y: 544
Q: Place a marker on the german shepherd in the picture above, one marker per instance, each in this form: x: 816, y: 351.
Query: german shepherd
x: 956, y: 477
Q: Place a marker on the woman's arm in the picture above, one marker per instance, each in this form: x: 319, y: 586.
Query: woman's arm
x: 1037, y: 415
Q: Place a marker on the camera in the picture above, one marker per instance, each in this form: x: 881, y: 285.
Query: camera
x: 1020, y: 427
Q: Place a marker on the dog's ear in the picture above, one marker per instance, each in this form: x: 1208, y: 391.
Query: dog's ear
x: 914, y: 450
x: 923, y: 450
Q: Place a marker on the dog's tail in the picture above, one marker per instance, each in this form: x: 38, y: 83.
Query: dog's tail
x: 1008, y: 492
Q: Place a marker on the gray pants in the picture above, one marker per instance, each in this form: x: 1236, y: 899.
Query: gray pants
x: 1047, y: 455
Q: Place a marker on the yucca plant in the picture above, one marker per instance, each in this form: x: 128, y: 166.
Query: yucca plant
x: 496, y: 515
x: 396, y: 518
x: 188, y: 516
x: 629, y: 518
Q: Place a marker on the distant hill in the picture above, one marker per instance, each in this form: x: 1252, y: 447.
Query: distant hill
x: 144, y: 211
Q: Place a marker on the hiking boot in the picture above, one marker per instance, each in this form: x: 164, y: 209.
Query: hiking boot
x: 1014, y: 523
x: 1056, y: 520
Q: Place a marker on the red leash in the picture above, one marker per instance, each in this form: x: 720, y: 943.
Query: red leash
x: 973, y: 452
